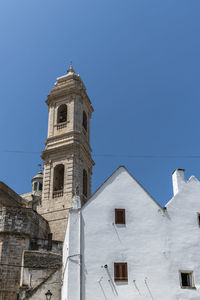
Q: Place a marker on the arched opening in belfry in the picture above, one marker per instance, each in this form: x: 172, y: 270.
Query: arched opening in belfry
x: 85, y: 183
x: 40, y: 186
x: 62, y: 114
x: 58, y: 180
x: 84, y: 121
x: 35, y: 186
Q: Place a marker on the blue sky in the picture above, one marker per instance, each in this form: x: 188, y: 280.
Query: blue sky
x: 140, y: 61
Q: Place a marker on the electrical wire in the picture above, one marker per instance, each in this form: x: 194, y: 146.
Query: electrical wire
x: 147, y: 156
x: 20, y: 152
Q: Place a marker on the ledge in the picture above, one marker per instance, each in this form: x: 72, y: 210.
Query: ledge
x: 41, y: 260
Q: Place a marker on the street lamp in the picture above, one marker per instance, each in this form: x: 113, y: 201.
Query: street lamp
x: 48, y: 295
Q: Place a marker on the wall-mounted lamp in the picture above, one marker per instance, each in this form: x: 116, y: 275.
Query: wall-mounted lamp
x: 105, y: 266
x: 48, y: 295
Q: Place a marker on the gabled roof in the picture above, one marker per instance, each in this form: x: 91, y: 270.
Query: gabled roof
x: 109, y: 179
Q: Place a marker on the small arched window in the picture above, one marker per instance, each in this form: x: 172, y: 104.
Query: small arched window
x: 62, y: 114
x: 84, y: 121
x: 85, y: 183
x: 58, y: 181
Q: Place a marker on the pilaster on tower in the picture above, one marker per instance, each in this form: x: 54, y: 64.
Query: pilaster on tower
x: 67, y: 155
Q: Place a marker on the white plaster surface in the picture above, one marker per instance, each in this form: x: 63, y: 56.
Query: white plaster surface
x: 71, y: 288
x: 156, y: 243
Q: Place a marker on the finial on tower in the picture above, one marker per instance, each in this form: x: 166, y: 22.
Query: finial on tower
x: 71, y: 70
x: 40, y: 171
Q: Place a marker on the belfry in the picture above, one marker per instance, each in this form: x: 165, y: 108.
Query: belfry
x: 67, y: 155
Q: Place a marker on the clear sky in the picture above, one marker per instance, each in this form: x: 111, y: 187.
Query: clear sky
x: 140, y: 62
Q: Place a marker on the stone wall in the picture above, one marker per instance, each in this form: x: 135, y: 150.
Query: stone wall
x: 13, y: 246
x: 23, y: 220
x: 41, y: 272
x: 19, y: 226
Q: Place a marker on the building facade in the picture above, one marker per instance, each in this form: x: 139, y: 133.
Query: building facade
x: 33, y: 225
x: 123, y: 245
x: 119, y: 244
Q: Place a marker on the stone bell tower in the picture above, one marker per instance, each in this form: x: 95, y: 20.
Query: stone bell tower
x: 67, y: 156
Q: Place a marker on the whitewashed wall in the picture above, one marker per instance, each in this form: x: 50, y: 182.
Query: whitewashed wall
x: 156, y: 243
x: 71, y: 279
x: 183, y: 231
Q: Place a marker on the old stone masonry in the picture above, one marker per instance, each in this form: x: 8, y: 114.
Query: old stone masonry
x: 33, y: 225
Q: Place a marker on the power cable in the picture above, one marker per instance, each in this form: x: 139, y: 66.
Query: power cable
x: 147, y: 156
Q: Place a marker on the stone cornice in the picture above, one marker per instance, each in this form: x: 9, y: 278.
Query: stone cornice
x: 66, y: 148
x: 59, y: 92
x: 67, y: 137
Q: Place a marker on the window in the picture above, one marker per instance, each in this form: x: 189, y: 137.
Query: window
x: 84, y: 121
x: 58, y: 181
x: 40, y: 186
x: 35, y: 186
x: 62, y: 114
x: 186, y: 279
x: 120, y: 216
x: 34, y: 245
x: 85, y: 183
x: 120, y: 272
x: 49, y: 246
x: 198, y: 216
x: 1, y: 248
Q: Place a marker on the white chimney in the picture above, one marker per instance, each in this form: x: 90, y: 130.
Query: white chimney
x: 178, y: 180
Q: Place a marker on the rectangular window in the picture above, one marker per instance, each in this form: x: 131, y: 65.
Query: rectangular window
x: 40, y: 186
x: 198, y: 216
x: 120, y: 272
x: 1, y: 248
x: 49, y: 246
x: 35, y: 186
x: 186, y: 279
x: 120, y: 216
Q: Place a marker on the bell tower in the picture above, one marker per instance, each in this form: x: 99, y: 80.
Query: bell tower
x: 67, y: 155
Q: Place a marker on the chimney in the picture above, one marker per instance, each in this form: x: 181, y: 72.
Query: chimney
x: 178, y: 180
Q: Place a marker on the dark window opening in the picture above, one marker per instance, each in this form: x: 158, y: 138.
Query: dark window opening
x: 120, y: 272
x: 40, y: 186
x: 35, y: 186
x: 33, y: 245
x: 186, y: 279
x: 84, y: 121
x: 85, y: 183
x: 62, y: 114
x: 120, y: 217
x: 198, y: 219
x: 58, y: 180
x: 49, y: 246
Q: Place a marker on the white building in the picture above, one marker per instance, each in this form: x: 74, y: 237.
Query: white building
x: 122, y: 245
